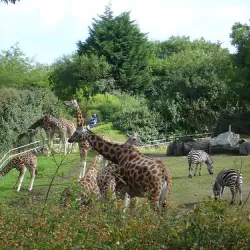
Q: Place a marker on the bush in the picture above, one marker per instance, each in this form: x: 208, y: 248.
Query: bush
x: 211, y: 225
x: 140, y: 119
x: 19, y: 108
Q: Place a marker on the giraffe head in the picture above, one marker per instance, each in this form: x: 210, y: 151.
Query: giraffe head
x: 80, y: 134
x: 134, y: 139
x: 72, y: 103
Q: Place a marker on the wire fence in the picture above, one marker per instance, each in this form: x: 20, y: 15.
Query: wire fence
x: 41, y: 143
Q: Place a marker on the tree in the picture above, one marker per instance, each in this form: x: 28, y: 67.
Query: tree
x: 125, y: 48
x: 190, y: 84
x: 80, y: 76
x: 241, y: 40
x: 11, y: 1
x: 17, y: 70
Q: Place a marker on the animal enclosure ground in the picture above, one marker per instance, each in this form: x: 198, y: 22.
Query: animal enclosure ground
x: 185, y: 191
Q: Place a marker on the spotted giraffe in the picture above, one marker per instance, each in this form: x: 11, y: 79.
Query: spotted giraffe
x: 52, y: 125
x: 84, y: 145
x: 106, y: 178
x: 88, y: 183
x: 71, y: 128
x: 137, y: 174
x: 22, y: 162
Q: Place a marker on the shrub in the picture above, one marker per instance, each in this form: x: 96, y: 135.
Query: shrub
x: 19, y: 108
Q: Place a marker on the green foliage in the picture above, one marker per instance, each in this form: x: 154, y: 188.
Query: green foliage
x: 139, y: 119
x: 109, y: 106
x: 20, y: 108
x: 79, y: 76
x: 127, y: 113
x: 17, y: 70
x: 191, y: 84
x: 208, y: 226
x: 241, y: 40
x: 125, y: 48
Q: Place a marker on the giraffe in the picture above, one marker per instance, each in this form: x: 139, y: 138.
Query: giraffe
x: 21, y: 163
x: 70, y: 130
x: 106, y: 178
x: 89, y: 183
x: 137, y: 175
x: 52, y: 125
x: 84, y: 145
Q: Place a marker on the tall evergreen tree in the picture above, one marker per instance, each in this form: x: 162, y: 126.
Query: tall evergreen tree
x: 125, y: 48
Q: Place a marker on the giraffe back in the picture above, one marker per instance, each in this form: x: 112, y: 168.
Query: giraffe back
x: 28, y: 160
x: 70, y: 126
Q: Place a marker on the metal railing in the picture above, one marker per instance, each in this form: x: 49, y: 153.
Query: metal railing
x: 10, y: 154
x: 39, y: 144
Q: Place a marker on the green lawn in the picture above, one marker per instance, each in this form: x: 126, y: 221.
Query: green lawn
x: 185, y: 191
x: 188, y: 191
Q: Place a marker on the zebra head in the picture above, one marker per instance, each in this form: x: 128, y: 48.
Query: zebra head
x: 210, y: 168
x: 216, y: 190
x: 209, y: 163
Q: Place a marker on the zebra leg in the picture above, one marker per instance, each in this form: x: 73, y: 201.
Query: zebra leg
x: 196, y: 167
x: 190, y: 170
x: 232, y: 188
x: 221, y: 193
x: 200, y: 169
x: 240, y: 192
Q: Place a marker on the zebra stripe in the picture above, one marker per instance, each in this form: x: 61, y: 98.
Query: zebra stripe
x: 228, y: 178
x: 196, y: 157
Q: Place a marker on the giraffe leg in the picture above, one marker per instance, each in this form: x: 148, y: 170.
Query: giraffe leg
x: 50, y: 144
x: 126, y: 200
x: 82, y: 169
x: 83, y: 162
x: 20, y: 178
x: 32, y: 177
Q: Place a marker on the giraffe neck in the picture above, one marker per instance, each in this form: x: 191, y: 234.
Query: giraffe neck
x: 79, y: 117
x: 111, y: 151
x: 37, y: 124
x: 6, y: 169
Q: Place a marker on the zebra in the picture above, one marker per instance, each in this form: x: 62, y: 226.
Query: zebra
x: 196, y: 157
x: 230, y: 178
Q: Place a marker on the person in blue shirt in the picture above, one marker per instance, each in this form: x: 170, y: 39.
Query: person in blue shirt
x: 93, y: 121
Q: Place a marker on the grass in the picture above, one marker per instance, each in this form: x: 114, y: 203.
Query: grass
x: 188, y: 191
x: 185, y: 191
x: 206, y: 225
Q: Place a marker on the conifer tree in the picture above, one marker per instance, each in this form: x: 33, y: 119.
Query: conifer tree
x: 125, y: 48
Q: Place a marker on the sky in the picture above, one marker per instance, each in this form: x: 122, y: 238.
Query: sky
x: 49, y: 29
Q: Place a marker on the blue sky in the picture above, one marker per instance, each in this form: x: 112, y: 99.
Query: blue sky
x: 47, y: 29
